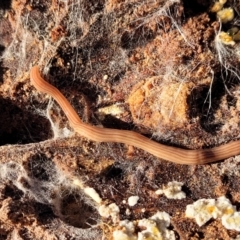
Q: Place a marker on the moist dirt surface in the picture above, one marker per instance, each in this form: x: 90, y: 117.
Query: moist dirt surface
x: 154, y: 67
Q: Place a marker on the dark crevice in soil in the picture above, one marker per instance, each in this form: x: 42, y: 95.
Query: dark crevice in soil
x: 41, y: 168
x: 205, y: 100
x: 77, y: 213
x: 5, y: 4
x: 2, y: 68
x: 195, y: 7
x: 21, y: 127
x: 112, y: 122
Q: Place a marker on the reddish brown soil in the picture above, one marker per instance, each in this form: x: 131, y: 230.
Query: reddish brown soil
x: 156, y: 59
